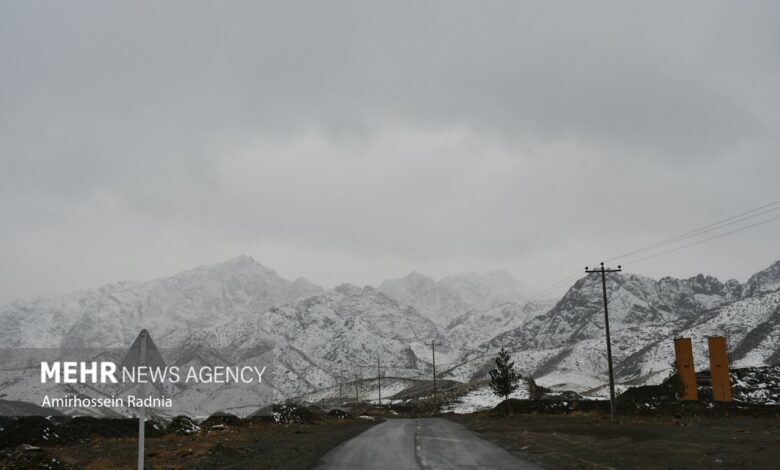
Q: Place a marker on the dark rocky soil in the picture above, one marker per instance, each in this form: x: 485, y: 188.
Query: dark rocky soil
x: 219, y: 442
x: 717, y: 439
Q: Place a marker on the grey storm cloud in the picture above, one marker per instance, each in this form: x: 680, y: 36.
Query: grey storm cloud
x: 353, y: 141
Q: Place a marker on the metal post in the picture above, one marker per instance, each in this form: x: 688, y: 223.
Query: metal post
x: 142, y: 411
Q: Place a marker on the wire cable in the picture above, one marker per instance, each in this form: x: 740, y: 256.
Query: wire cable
x: 735, y: 219
x: 741, y: 217
x: 554, y: 286
x: 703, y: 241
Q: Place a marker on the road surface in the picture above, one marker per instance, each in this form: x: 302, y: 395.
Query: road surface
x: 430, y: 443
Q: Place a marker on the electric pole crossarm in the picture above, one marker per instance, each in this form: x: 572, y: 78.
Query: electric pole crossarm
x: 606, y: 270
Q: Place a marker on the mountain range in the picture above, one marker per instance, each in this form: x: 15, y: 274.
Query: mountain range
x: 449, y: 298
x: 565, y: 346
x: 325, y: 337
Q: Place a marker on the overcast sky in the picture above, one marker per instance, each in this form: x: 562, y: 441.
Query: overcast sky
x: 357, y: 141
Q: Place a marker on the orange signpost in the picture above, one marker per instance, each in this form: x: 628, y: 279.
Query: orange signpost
x: 719, y: 368
x: 683, y: 352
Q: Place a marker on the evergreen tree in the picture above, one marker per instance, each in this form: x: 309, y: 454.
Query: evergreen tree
x: 503, y: 378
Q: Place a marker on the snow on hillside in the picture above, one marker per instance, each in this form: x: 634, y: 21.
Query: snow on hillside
x: 323, y: 338
x: 751, y: 327
x: 645, y: 316
x: 444, y: 300
x: 757, y: 385
x: 475, y: 326
x: 341, y: 332
x: 366, y: 390
x: 481, y: 399
x: 320, y: 337
x: 110, y: 316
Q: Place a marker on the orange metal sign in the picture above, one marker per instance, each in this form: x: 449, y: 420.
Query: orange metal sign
x: 719, y: 368
x: 683, y: 352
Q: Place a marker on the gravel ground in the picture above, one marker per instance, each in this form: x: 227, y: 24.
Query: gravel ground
x: 591, y: 441
x: 258, y: 445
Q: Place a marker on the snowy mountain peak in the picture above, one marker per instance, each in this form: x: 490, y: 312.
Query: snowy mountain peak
x: 566, y: 343
x: 348, y: 289
x: 764, y: 281
x: 206, y: 297
x: 323, y: 336
x: 415, y: 280
x: 498, y: 276
x: 242, y: 259
x: 240, y: 262
x: 417, y: 276
x: 444, y: 300
x: 303, y: 284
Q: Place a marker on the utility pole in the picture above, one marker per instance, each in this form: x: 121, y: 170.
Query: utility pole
x: 433, y: 344
x: 379, y: 379
x: 357, y: 400
x: 341, y: 393
x: 604, y: 272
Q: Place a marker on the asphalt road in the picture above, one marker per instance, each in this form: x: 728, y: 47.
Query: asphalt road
x: 430, y: 443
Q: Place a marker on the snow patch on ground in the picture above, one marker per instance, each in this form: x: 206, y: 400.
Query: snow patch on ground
x: 481, y: 399
x: 574, y: 382
x: 758, y: 385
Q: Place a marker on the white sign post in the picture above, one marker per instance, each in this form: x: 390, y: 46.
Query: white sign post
x: 143, y: 352
x: 142, y: 412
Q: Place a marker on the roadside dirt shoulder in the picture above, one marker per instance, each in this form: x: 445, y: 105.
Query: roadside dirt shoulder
x: 634, y: 442
x: 250, y: 445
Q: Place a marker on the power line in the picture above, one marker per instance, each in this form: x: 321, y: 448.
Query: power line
x: 734, y: 219
x: 746, y: 227
x: 707, y: 228
x: 741, y: 217
x: 554, y: 286
x: 738, y: 218
x: 702, y: 241
x: 698, y: 233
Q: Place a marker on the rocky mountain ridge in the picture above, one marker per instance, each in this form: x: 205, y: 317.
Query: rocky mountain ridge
x: 325, y: 337
x: 201, y: 298
x: 444, y: 300
x: 566, y: 345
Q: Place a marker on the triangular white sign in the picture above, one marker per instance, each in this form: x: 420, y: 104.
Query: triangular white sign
x: 143, y: 352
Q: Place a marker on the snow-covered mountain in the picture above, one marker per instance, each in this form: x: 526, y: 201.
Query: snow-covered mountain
x: 334, y: 336
x: 320, y: 337
x: 444, y: 300
x: 566, y: 346
x: 325, y: 337
x: 199, y: 299
x: 477, y: 326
